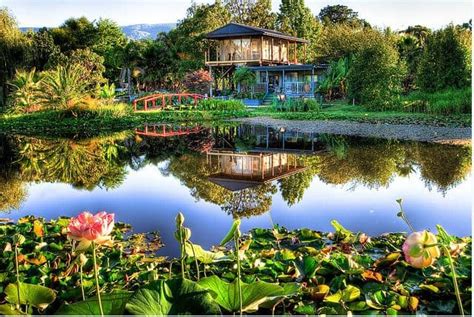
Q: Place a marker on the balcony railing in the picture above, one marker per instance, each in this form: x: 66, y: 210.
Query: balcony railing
x: 297, y: 88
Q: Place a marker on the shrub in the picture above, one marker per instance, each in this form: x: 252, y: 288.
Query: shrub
x: 451, y: 101
x: 297, y: 105
x: 63, y: 87
x: 26, y: 93
x: 198, y: 81
x: 222, y: 105
x: 93, y: 108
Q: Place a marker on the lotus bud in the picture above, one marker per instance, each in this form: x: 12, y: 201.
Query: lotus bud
x: 420, y: 249
x: 18, y: 239
x: 186, y: 234
x: 179, y: 219
x: 82, y: 259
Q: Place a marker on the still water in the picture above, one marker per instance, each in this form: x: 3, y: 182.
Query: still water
x: 212, y: 174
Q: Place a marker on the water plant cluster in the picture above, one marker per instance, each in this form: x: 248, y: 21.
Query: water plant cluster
x: 89, y: 265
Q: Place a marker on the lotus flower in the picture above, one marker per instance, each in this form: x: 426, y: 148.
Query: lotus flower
x: 420, y: 249
x: 88, y: 228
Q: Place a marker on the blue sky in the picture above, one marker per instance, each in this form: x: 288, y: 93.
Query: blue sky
x: 394, y: 13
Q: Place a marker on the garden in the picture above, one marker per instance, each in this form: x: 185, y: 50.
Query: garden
x: 91, y: 265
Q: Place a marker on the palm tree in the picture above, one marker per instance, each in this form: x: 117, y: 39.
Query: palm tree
x: 26, y: 90
x: 63, y: 88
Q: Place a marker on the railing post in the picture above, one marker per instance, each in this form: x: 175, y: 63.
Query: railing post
x: 146, y: 105
x: 134, y: 105
x: 163, y: 101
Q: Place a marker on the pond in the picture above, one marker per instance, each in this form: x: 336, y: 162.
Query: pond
x: 212, y: 173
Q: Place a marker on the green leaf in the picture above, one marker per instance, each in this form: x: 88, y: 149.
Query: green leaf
x: 253, y: 295
x: 350, y: 294
x: 172, y: 297
x: 341, y: 232
x: 113, y: 304
x: 202, y: 255
x: 230, y: 235
x: 431, y: 288
x: 30, y: 294
x: 306, y: 267
x: 8, y: 309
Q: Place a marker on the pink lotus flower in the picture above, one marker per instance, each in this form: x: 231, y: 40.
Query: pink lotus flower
x: 87, y: 228
x: 420, y: 249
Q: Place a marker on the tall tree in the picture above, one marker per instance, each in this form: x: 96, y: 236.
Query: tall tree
x: 75, y: 34
x: 14, y: 50
x: 42, y: 48
x: 340, y: 14
x: 109, y: 43
x: 296, y: 19
x: 439, y: 70
x: 252, y: 12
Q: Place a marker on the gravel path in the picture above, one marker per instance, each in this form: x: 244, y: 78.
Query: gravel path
x: 422, y: 133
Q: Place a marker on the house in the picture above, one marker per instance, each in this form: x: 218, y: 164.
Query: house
x: 236, y: 171
x: 272, y: 55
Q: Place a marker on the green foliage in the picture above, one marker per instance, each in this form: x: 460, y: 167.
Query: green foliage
x: 447, y: 102
x: 253, y: 295
x: 256, y: 13
x: 63, y: 87
x: 32, y: 295
x: 375, y: 76
x: 107, y: 92
x: 334, y: 83
x: 172, y: 297
x: 296, y: 105
x: 26, y: 91
x: 439, y: 70
x: 244, y: 76
x: 220, y: 105
x: 113, y: 304
x: 340, y: 14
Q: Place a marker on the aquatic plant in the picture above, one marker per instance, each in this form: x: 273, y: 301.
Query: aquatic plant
x: 92, y: 230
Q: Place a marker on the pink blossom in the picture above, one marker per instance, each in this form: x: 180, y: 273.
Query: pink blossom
x: 87, y: 228
x: 420, y: 249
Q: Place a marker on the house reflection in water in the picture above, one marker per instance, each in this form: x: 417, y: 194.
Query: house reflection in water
x: 237, y: 171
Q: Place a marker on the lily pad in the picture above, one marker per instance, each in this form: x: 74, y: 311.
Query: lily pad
x: 253, y: 295
x: 172, y: 297
x: 30, y: 294
x: 113, y: 304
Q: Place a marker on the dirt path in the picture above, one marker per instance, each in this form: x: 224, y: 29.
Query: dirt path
x: 424, y: 133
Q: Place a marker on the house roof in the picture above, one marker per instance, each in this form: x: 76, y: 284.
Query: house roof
x: 238, y: 30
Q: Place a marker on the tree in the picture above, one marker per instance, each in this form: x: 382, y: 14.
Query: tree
x: 340, y: 14
x: 197, y: 81
x: 14, y: 48
x: 244, y: 77
x: 109, y: 43
x: 42, y: 48
x: 374, y: 78
x: 74, y: 34
x: 252, y: 12
x: 439, y: 70
x: 296, y: 19
x: 334, y: 83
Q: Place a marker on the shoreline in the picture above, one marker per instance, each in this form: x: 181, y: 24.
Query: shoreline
x: 406, y: 132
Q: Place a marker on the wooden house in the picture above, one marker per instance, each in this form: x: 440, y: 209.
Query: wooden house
x: 272, y: 55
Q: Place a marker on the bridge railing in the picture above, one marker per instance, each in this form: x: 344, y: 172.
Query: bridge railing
x: 160, y: 101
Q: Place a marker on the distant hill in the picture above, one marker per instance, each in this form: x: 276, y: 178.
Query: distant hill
x: 141, y: 31
x: 135, y: 31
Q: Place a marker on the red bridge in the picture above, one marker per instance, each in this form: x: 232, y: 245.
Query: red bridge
x: 159, y: 101
x: 166, y: 130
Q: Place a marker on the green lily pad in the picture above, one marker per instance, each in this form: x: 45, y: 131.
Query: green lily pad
x: 112, y: 304
x: 172, y: 297
x: 253, y: 295
x: 30, y: 294
x: 202, y: 255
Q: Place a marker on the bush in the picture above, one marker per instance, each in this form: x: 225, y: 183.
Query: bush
x: 297, y: 105
x: 374, y: 79
x: 93, y: 108
x: 221, y: 105
x: 451, y: 101
x: 26, y: 91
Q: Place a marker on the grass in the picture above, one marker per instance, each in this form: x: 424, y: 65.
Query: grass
x: 451, y: 101
x: 57, y: 123
x: 344, y: 111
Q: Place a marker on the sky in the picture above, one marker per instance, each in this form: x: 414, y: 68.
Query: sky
x: 397, y: 14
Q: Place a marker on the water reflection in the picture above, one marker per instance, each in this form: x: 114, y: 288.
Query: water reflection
x: 239, y: 168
